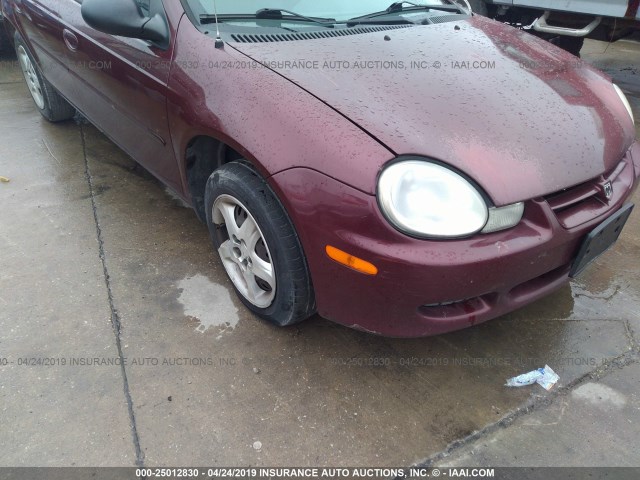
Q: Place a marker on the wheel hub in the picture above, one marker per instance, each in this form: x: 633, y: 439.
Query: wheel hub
x: 242, y: 254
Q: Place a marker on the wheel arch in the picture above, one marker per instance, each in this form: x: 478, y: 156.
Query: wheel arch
x: 7, y: 32
x: 204, y: 154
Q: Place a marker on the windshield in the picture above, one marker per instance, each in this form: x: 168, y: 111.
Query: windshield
x: 341, y: 10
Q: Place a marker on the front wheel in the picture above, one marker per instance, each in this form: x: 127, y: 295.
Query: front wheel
x: 4, y: 38
x: 258, y: 245
x: 48, y: 101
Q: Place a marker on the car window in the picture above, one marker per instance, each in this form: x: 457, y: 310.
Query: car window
x: 338, y: 9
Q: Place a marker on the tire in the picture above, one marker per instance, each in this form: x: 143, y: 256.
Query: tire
x: 48, y: 101
x: 258, y: 245
x: 479, y: 7
x: 4, y: 38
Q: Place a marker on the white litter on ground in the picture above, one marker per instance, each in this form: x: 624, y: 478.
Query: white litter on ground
x: 545, y: 377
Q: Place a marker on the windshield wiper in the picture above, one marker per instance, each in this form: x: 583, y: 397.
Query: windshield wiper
x: 269, y: 14
x: 398, y: 7
x: 276, y: 13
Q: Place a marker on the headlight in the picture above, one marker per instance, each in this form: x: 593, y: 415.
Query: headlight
x: 426, y: 200
x: 625, y: 101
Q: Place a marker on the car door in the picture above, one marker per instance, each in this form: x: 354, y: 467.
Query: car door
x: 120, y: 84
x: 37, y: 23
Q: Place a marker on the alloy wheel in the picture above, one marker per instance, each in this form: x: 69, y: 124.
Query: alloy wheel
x: 30, y: 75
x: 244, y: 251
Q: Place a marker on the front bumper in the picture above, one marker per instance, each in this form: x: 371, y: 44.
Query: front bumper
x: 430, y: 287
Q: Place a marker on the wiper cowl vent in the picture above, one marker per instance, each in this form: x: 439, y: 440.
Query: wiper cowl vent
x: 291, y: 37
x: 446, y: 18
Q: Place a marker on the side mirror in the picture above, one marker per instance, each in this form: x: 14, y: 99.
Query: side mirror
x: 124, y: 18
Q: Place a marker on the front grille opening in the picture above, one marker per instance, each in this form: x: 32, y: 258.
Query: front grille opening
x: 531, y: 289
x: 571, y: 197
x: 460, y: 309
x: 577, y: 205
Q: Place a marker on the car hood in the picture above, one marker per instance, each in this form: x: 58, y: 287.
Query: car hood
x: 519, y: 116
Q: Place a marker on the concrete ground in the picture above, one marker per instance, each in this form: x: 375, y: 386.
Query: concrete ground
x: 596, y: 420
x: 122, y: 343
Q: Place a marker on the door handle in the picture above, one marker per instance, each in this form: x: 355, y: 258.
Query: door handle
x: 70, y: 40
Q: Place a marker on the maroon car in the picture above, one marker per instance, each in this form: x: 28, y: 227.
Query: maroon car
x: 402, y: 169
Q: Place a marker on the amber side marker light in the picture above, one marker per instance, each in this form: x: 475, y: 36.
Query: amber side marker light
x: 350, y: 261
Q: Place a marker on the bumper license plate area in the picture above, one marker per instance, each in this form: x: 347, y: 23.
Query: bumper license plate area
x: 601, y: 239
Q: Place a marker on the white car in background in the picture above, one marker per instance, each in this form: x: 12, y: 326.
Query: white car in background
x: 566, y: 22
